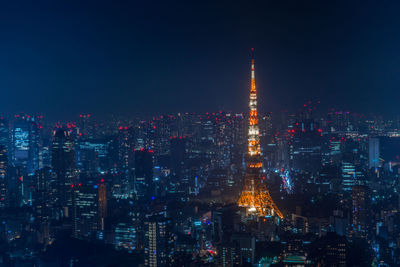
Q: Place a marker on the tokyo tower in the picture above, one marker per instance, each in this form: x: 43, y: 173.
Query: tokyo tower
x: 255, y: 196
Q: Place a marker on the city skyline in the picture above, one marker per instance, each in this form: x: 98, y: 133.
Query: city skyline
x: 207, y: 134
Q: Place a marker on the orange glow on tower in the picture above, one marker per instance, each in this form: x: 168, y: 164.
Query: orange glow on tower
x: 255, y: 196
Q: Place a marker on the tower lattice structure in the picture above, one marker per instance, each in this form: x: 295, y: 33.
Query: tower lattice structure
x: 255, y: 195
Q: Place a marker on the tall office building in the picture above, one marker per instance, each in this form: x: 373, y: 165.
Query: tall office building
x: 178, y: 155
x: 92, y: 155
x: 125, y: 235
x: 85, y: 210
x: 87, y: 160
x: 26, y: 142
x: 5, y: 134
x: 361, y: 200
x: 143, y: 181
x: 373, y: 153
x: 125, y: 147
x: 306, y: 146
x: 63, y: 163
x: 157, y: 241
x: 4, y: 156
x: 45, y: 193
x: 350, y: 176
x: 3, y: 177
x: 44, y: 197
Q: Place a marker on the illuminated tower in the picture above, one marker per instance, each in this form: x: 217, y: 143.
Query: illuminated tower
x: 255, y: 195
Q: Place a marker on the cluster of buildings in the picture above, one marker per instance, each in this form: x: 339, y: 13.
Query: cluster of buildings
x: 163, y: 190
x: 213, y: 189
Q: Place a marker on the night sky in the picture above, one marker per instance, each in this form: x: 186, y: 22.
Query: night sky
x: 67, y: 57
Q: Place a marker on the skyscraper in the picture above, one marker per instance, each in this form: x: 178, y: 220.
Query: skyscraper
x: 5, y: 134
x: 143, y: 182
x: 306, y: 146
x: 44, y: 202
x: 157, y: 241
x: 85, y: 210
x: 349, y: 176
x: 373, y: 153
x: 25, y: 143
x: 63, y: 163
x: 178, y: 155
x: 3, y: 177
x: 4, y: 153
x: 360, y: 197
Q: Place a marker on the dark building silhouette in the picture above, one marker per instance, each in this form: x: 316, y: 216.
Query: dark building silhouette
x: 330, y: 250
x: 305, y: 148
x: 63, y: 163
x: 143, y: 181
x: 178, y: 155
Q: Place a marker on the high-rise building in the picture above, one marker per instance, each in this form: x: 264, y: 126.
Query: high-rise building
x: 26, y: 142
x: 15, y: 186
x: 85, y: 211
x: 361, y: 200
x: 373, y: 153
x: 125, y: 235
x: 87, y: 159
x: 350, y: 176
x: 3, y: 177
x: 5, y: 134
x: 125, y: 147
x: 45, y: 193
x: 63, y: 163
x: 157, y: 245
x: 306, y: 146
x: 143, y: 181
x: 44, y: 200
x: 255, y: 196
x: 178, y: 154
x: 92, y: 155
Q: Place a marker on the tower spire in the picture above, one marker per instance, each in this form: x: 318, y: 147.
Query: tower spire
x: 255, y: 195
x: 254, y: 149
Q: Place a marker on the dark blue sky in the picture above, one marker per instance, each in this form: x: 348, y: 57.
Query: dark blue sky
x: 66, y: 57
